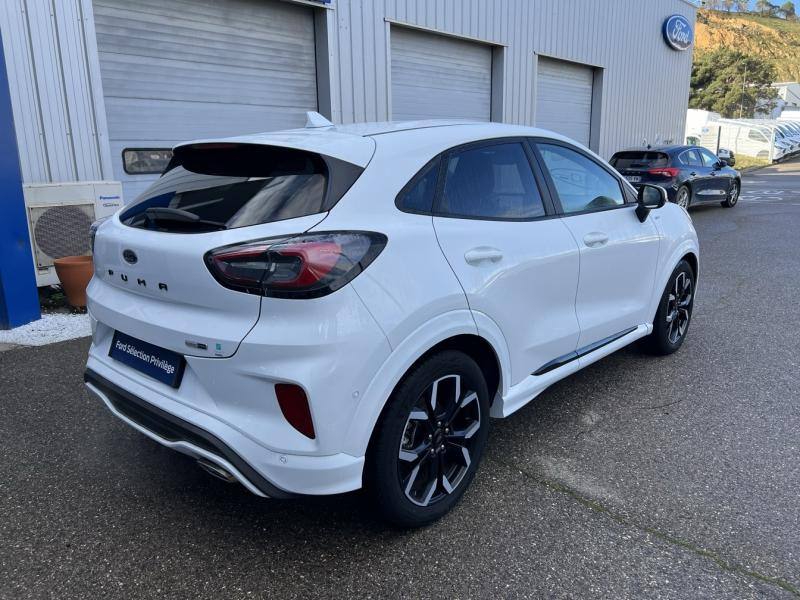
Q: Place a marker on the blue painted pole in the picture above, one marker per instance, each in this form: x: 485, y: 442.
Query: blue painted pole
x: 19, y: 300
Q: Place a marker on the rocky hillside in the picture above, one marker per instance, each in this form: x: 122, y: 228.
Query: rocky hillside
x: 774, y: 39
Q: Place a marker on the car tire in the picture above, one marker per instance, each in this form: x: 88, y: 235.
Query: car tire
x: 733, y: 196
x: 671, y: 323
x: 424, y: 453
x: 683, y: 196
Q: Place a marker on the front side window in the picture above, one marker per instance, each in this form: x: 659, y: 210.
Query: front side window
x: 709, y: 160
x: 581, y: 183
x: 491, y: 182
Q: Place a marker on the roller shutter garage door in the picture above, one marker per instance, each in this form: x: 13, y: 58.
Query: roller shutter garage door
x: 564, y: 98
x: 435, y: 77
x: 179, y: 70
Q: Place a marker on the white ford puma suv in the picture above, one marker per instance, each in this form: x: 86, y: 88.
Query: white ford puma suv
x: 319, y: 310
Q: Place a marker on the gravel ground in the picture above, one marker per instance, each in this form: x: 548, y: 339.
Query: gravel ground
x: 638, y: 477
x: 51, y: 328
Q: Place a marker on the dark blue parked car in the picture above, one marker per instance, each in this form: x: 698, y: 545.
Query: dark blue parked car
x: 690, y: 174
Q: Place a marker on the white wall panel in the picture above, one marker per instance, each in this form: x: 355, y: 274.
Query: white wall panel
x: 645, y: 83
x: 52, y: 74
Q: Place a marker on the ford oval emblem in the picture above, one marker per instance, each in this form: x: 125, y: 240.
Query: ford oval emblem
x: 678, y: 32
x: 130, y: 256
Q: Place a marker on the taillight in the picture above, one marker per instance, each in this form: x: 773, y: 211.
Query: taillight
x: 304, y: 266
x: 294, y: 406
x: 665, y: 171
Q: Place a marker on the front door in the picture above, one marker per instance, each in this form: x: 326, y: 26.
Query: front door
x: 618, y: 253
x: 517, y: 262
x: 716, y: 184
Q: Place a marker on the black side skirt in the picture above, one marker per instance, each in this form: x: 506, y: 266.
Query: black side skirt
x: 569, y: 357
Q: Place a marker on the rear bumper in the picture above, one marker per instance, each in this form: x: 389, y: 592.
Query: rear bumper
x: 263, y: 472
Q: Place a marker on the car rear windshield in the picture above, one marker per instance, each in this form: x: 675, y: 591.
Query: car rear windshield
x: 209, y: 187
x: 639, y: 160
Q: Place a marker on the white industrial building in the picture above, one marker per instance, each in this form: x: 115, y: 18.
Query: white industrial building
x: 101, y: 89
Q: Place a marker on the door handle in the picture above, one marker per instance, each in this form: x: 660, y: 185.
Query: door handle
x: 482, y: 253
x: 595, y: 239
x: 693, y: 174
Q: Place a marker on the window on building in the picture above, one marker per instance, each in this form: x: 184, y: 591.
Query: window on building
x: 145, y: 161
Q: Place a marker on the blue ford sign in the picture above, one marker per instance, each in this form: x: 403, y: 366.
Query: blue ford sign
x: 678, y: 32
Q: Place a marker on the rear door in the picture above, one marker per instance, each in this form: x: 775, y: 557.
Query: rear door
x: 518, y: 264
x: 693, y: 165
x: 618, y: 254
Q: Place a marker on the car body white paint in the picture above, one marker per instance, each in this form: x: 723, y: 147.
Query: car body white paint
x: 349, y: 349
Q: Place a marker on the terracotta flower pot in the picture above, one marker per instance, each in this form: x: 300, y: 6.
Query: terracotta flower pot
x: 74, y: 273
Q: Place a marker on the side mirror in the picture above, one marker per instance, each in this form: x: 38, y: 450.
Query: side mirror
x: 650, y: 198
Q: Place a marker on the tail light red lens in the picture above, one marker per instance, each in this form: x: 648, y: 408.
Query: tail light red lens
x: 294, y: 406
x: 304, y: 266
x: 671, y: 172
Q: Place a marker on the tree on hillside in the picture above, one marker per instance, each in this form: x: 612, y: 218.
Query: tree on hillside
x: 741, y: 5
x: 787, y: 8
x: 765, y: 8
x: 728, y: 5
x: 730, y: 82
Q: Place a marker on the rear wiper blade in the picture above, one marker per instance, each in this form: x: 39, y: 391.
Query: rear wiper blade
x: 164, y: 213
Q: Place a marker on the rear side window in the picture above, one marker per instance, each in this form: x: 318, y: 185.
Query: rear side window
x: 755, y: 134
x: 418, y: 197
x: 639, y: 160
x: 491, y: 182
x: 691, y: 158
x: 581, y: 183
x: 225, y: 186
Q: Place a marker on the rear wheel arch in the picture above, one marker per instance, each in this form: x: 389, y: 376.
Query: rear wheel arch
x: 476, y: 347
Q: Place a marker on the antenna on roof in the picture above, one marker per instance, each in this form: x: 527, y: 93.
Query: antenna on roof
x: 314, y: 120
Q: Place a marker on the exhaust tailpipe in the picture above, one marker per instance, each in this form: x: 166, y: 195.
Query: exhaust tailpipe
x: 216, y: 470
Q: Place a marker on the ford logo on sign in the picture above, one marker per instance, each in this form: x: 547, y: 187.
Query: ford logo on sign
x: 678, y: 32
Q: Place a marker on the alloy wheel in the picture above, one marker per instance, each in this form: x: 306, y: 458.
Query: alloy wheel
x: 734, y: 195
x: 438, y: 441
x: 683, y: 198
x: 679, y: 307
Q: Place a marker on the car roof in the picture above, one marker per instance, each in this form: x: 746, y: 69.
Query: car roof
x: 355, y: 143
x: 670, y: 149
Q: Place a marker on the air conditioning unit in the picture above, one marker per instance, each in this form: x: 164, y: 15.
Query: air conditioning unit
x: 59, y: 216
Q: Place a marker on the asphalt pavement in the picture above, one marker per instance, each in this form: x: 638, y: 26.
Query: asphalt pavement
x: 639, y: 477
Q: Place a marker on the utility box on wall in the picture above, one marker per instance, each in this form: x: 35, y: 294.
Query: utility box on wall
x: 59, y: 216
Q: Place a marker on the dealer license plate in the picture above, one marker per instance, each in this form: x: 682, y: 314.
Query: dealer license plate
x: 161, y: 364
